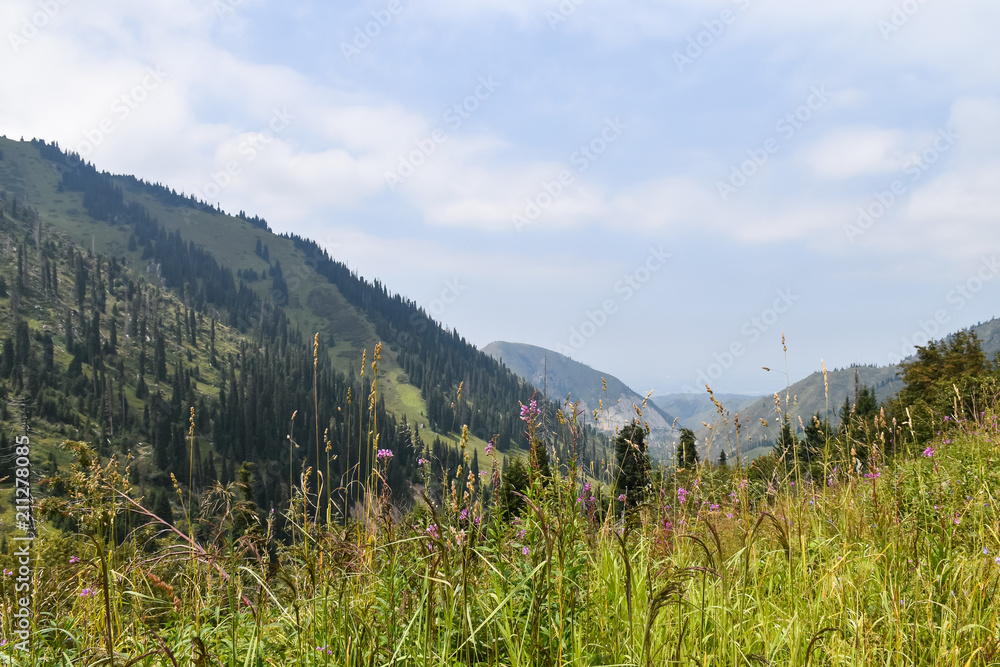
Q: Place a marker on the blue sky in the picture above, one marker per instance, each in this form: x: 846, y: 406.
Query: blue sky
x: 659, y: 188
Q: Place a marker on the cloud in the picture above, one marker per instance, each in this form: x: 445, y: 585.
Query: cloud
x: 848, y: 152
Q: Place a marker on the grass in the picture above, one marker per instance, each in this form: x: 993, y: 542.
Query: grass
x: 896, y: 565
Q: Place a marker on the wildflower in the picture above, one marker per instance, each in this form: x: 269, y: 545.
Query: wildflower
x: 432, y: 530
x: 521, y: 533
x: 713, y: 508
x: 421, y: 461
x: 579, y: 500
x: 489, y: 448
x: 525, y: 551
x: 947, y: 418
x: 592, y: 499
x: 8, y: 573
x: 529, y: 411
x: 74, y: 559
x: 682, y: 495
x: 586, y: 487
x: 997, y: 560
x: 622, y: 498
x: 383, y: 454
x: 948, y: 441
x: 986, y: 552
x: 929, y: 452
x: 87, y: 592
x: 464, y: 516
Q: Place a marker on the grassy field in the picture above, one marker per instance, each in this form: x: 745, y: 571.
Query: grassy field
x: 890, y: 565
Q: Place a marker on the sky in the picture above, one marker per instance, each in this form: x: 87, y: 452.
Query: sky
x: 660, y: 189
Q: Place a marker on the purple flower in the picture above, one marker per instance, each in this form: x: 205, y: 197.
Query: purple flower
x: 947, y: 418
x: 529, y: 411
x: 74, y: 559
x: 713, y: 508
x: 682, y: 495
x: 521, y: 533
x: 586, y: 487
x: 87, y: 592
x: 525, y: 551
x: 929, y: 452
x: 464, y: 516
x: 383, y: 454
x: 8, y: 573
x: 421, y: 461
x: 622, y: 498
x: 489, y: 448
x: 432, y: 530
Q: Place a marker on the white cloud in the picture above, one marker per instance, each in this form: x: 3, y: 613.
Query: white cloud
x: 848, y: 152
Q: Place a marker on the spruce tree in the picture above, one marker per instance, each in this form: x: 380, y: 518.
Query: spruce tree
x: 633, y: 463
x: 687, y: 449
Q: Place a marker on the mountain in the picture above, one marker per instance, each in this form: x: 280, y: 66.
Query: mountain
x: 126, y: 304
x: 693, y: 410
x: 805, y: 397
x: 562, y: 377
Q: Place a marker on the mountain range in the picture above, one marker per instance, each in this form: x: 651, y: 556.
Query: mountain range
x: 565, y: 380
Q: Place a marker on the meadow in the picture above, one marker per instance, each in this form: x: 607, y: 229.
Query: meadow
x: 774, y: 563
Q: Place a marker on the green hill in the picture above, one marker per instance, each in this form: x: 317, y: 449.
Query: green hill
x: 127, y: 304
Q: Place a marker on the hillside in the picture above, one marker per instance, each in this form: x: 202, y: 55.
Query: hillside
x: 806, y: 397
x: 127, y: 304
x: 595, y: 390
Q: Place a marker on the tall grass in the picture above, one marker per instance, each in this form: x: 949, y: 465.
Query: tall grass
x: 895, y: 564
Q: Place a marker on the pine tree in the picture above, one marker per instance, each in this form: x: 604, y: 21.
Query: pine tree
x: 513, y: 480
x: 687, y: 449
x: 784, y: 448
x: 633, y: 463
